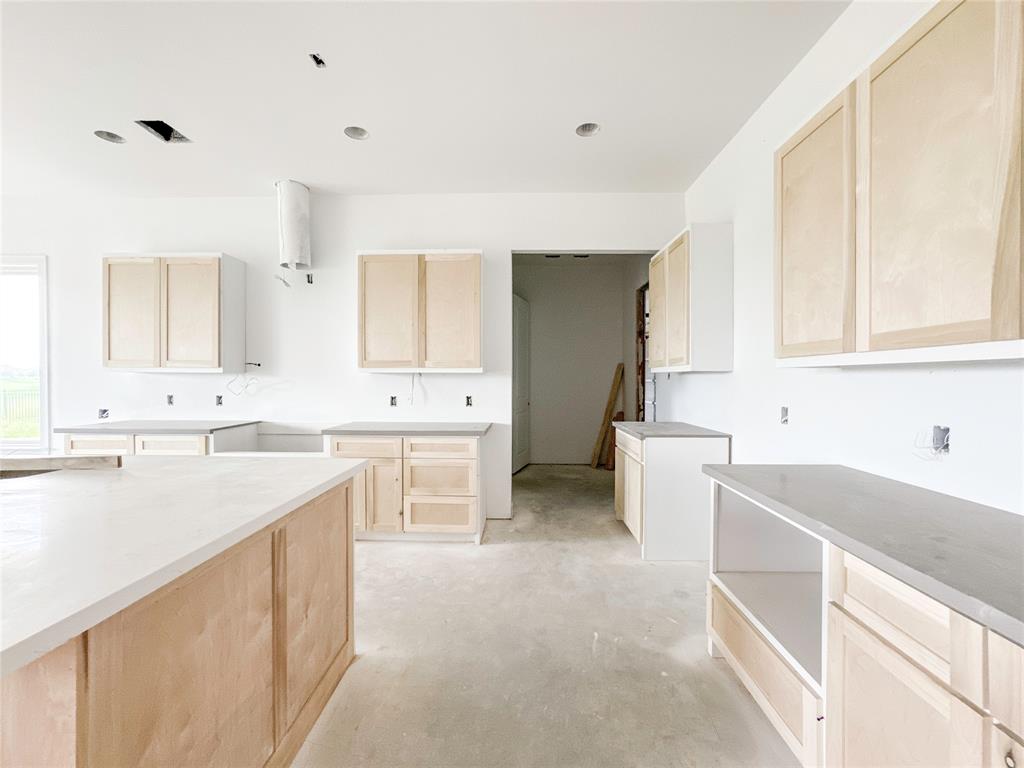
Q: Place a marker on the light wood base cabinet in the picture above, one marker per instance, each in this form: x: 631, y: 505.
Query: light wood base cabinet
x: 431, y: 486
x: 230, y: 664
x: 883, y: 710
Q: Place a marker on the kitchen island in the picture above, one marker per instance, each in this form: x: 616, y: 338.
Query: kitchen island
x: 174, y: 610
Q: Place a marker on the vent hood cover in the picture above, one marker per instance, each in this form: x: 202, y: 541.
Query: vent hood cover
x: 293, y: 224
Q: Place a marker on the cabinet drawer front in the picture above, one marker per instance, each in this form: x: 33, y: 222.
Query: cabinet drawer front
x: 1006, y: 684
x: 789, y: 704
x: 170, y: 445
x: 630, y: 444
x: 440, y: 447
x: 941, y: 641
x: 1004, y: 749
x: 885, y: 710
x: 439, y: 514
x: 367, y: 447
x: 440, y: 477
x: 92, y: 445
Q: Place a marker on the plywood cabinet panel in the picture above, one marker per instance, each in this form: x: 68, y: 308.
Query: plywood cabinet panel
x: 384, y: 495
x: 131, y: 312
x: 440, y: 447
x: 190, y: 309
x: 620, y: 482
x: 1006, y: 683
x: 657, y: 352
x: 942, y: 198
x: 884, y: 710
x: 450, y: 310
x: 814, y: 231
x: 359, y: 502
x: 185, y: 677
x: 440, y: 477
x: 362, y: 447
x: 170, y: 445
x: 677, y: 305
x: 440, y: 514
x: 98, y: 445
x: 389, y: 311
x: 316, y: 579
x: 633, y: 496
x: 420, y: 311
x: 1005, y: 750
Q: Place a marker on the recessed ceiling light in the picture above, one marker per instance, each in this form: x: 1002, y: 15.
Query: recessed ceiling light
x: 113, y: 138
x: 586, y: 130
x: 357, y: 133
x: 318, y: 60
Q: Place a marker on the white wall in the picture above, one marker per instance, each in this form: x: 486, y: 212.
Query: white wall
x: 305, y: 336
x: 575, y: 343
x: 872, y: 418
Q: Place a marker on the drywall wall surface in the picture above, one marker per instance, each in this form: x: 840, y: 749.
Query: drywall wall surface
x: 874, y: 419
x: 305, y: 336
x: 576, y: 328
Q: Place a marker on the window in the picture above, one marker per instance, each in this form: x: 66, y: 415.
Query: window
x: 24, y: 404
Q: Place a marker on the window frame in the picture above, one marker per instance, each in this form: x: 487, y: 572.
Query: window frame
x: 42, y: 445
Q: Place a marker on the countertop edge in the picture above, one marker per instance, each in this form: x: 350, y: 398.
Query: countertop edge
x: 27, y: 649
x: 94, y: 429
x: 641, y: 436
x: 994, y: 619
x: 341, y: 430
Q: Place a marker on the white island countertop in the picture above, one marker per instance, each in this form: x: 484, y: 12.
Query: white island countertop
x: 78, y: 546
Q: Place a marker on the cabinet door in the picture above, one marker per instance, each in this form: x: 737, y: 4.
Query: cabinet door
x: 940, y: 119
x: 657, y: 353
x: 633, y: 500
x: 883, y: 710
x: 190, y: 311
x: 620, y: 482
x: 450, y: 311
x: 440, y: 477
x: 389, y: 311
x: 677, y: 301
x: 384, y: 495
x: 814, y: 235
x: 131, y: 312
x: 441, y: 514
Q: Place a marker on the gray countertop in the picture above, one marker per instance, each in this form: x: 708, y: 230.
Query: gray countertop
x: 399, y: 428
x: 968, y: 556
x: 154, y: 427
x: 644, y: 429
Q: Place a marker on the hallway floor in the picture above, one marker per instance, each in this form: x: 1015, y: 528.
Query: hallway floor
x: 552, y: 644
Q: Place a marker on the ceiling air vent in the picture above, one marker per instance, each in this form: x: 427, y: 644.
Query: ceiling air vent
x: 163, y: 131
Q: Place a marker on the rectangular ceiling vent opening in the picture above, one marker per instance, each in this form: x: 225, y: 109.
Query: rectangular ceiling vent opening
x: 163, y: 131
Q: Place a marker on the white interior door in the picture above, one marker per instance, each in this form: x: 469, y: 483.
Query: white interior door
x: 520, y: 383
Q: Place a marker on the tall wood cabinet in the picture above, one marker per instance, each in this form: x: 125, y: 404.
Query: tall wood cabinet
x: 174, y: 312
x: 420, y: 311
x: 690, y: 295
x: 898, y: 207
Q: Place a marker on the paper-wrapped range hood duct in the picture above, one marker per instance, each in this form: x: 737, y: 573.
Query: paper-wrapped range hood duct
x: 293, y: 224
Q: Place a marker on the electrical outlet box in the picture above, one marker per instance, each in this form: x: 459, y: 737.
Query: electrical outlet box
x: 469, y: 401
x: 218, y: 400
x: 940, y: 439
x: 394, y: 400
x: 104, y: 413
x: 170, y: 399
x: 784, y: 415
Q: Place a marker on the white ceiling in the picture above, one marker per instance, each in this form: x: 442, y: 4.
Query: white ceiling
x: 458, y: 97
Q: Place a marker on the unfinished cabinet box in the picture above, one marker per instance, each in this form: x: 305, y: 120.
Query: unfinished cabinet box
x: 884, y: 710
x: 419, y: 311
x: 691, y: 302
x: 174, y: 313
x: 940, y: 118
x: 814, y: 234
x: 384, y: 495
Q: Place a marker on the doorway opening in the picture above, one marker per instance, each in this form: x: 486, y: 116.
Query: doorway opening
x: 579, y: 340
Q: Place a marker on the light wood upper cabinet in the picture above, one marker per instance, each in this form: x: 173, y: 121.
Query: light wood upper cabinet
x: 450, y: 307
x: 883, y: 710
x: 419, y: 311
x: 388, y: 311
x: 190, y: 308
x: 940, y: 124
x: 690, y: 301
x: 131, y: 312
x: 677, y: 314
x: 814, y: 234
x: 181, y: 313
x: 657, y: 352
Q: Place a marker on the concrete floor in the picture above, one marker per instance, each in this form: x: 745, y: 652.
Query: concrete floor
x: 552, y: 644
